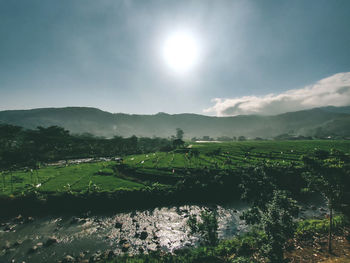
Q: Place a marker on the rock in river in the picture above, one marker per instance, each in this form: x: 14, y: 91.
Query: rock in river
x: 68, y: 259
x: 33, y: 250
x: 126, y: 247
x: 50, y: 241
x: 122, y: 241
x: 143, y: 235
x: 118, y: 225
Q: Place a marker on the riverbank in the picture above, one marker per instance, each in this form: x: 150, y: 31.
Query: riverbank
x: 308, y: 245
x: 131, y: 232
x: 122, y: 199
x: 107, y: 186
x: 85, y: 236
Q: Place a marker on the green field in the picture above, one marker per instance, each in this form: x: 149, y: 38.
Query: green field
x: 105, y: 176
x: 230, y: 155
x: 76, y: 178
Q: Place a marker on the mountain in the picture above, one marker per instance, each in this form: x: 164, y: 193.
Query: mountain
x: 325, y: 121
x: 345, y: 109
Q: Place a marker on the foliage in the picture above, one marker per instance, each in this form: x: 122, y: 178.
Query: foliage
x: 242, y: 138
x: 271, y: 210
x: 267, y: 172
x: 20, y: 148
x: 179, y: 133
x: 278, y: 225
x: 240, y: 249
x: 308, y: 227
x: 80, y: 178
x: 233, y: 156
x: 206, y: 227
x: 178, y: 143
x: 275, y: 219
x: 199, y: 255
x: 328, y: 173
x: 237, y: 250
x: 259, y: 184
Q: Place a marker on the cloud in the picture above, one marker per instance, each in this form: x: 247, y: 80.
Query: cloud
x: 331, y: 91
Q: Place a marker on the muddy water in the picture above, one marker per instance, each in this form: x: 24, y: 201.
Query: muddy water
x: 90, y: 237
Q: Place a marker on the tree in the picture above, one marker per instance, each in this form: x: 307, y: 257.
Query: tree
x: 278, y: 225
x: 8, y: 135
x: 179, y: 133
x: 271, y: 210
x: 131, y: 144
x: 206, y: 227
x: 206, y: 138
x: 178, y: 143
x: 241, y: 138
x: 258, y: 184
x: 328, y: 174
x: 276, y: 220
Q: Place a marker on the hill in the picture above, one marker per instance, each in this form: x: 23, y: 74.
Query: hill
x: 322, y: 121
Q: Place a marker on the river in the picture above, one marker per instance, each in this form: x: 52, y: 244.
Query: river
x: 91, y: 236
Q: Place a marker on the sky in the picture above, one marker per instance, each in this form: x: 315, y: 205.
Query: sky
x: 252, y: 57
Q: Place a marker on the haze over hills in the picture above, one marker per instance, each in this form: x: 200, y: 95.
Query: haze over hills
x: 323, y: 121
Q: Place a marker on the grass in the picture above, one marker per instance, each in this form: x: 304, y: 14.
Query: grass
x: 310, y: 226
x: 107, y: 177
x: 101, y: 176
x: 230, y: 155
x: 79, y: 178
x: 311, y: 241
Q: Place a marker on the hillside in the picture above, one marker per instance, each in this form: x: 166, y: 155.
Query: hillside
x: 323, y: 121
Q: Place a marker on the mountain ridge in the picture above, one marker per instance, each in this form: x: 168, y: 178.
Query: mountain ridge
x: 322, y: 121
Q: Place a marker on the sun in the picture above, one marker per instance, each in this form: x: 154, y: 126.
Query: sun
x: 181, y: 51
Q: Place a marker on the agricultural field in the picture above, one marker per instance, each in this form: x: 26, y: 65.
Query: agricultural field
x: 201, y: 174
x: 107, y: 176
x: 98, y: 176
x: 229, y: 155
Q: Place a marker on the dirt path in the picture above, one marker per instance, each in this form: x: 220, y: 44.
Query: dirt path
x: 313, y: 252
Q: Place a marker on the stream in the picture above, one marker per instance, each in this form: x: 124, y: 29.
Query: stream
x: 88, y: 237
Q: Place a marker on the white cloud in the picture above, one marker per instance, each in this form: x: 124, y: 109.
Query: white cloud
x: 331, y: 91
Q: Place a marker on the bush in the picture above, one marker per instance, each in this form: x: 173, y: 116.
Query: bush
x: 207, y: 227
x: 307, y: 228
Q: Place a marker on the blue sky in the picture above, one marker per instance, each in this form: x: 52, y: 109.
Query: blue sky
x: 107, y: 54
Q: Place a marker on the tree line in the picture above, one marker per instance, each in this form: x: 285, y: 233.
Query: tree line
x: 28, y: 147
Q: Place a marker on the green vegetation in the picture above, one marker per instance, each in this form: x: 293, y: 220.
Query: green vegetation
x: 239, y: 153
x: 199, y: 167
x: 267, y: 186
x: 206, y: 227
x: 308, y: 227
x: 241, y: 249
x: 85, y: 177
x: 237, y: 250
x: 228, y: 156
x: 30, y: 148
x: 272, y: 214
x: 269, y: 175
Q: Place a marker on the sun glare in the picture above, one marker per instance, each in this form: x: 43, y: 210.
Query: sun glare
x: 181, y: 52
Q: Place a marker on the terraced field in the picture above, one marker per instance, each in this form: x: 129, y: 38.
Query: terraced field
x: 97, y: 176
x: 164, y: 167
x: 229, y: 155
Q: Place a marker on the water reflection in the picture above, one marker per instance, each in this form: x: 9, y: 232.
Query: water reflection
x: 132, y: 232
